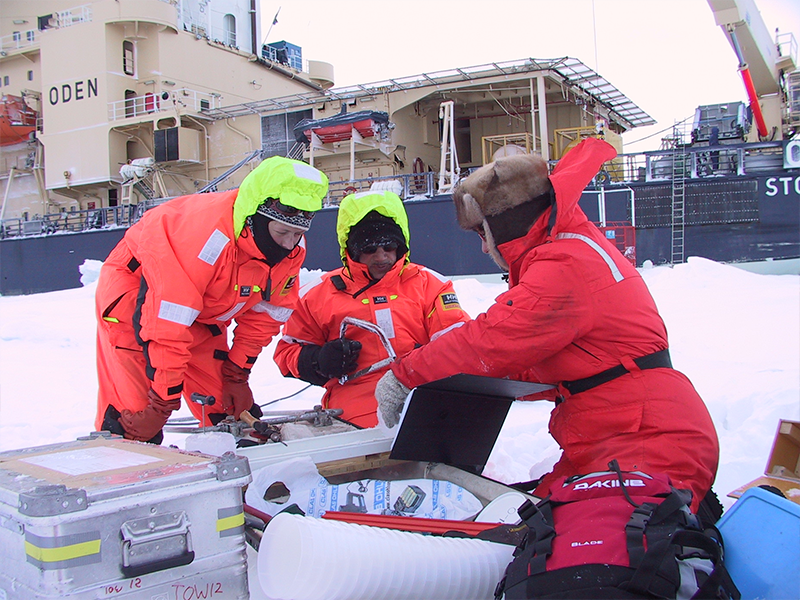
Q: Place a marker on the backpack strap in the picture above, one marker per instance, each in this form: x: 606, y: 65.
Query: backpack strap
x: 719, y: 583
x: 531, y: 555
x: 634, y: 532
x: 659, y: 526
x: 539, y: 519
x: 682, y: 543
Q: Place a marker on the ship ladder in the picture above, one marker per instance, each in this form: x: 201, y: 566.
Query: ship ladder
x: 145, y: 189
x: 679, y: 164
x: 297, y: 151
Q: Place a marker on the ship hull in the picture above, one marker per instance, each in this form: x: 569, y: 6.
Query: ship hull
x: 731, y: 220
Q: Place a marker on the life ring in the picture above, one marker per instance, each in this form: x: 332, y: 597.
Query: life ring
x: 349, y: 190
x: 419, y: 178
x: 602, y: 178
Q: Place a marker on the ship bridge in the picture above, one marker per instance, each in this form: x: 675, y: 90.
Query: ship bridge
x: 577, y: 79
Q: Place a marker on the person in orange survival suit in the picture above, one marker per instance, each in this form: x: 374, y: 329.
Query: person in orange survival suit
x: 576, y: 314
x: 169, y: 290
x: 378, y: 284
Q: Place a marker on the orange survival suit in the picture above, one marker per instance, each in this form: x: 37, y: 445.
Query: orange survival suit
x: 169, y: 290
x: 411, y: 303
x: 575, y: 308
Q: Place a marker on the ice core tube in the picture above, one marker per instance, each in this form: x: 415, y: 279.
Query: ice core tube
x: 303, y: 558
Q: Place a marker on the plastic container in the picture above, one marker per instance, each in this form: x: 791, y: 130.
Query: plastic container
x: 303, y: 558
x: 761, y: 533
x: 502, y: 509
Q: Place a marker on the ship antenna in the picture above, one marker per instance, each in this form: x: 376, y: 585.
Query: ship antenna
x: 274, y: 22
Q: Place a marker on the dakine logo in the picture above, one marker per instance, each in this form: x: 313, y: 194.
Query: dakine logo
x: 608, y: 483
x: 589, y: 543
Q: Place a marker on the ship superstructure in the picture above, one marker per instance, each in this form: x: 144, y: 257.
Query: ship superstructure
x: 111, y: 83
x: 170, y: 98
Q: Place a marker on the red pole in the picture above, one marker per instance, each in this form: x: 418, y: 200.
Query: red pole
x: 751, y: 93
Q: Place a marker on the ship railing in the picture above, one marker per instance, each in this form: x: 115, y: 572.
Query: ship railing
x: 787, y: 47
x: 723, y: 160
x: 19, y: 40
x: 416, y: 186
x: 150, y: 103
x: 72, y: 16
x: 112, y: 217
x: 703, y: 163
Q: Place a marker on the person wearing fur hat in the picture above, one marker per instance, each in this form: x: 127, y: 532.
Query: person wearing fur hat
x: 577, y: 314
x: 379, y: 284
x: 171, y: 287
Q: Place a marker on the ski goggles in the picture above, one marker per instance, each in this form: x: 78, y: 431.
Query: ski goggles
x: 373, y: 248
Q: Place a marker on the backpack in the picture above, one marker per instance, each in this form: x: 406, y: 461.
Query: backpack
x: 616, y: 534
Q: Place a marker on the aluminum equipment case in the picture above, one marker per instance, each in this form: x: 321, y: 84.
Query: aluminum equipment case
x: 110, y: 518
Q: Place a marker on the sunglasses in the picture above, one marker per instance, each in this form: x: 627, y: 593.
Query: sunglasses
x: 479, y: 230
x: 290, y: 211
x: 373, y: 248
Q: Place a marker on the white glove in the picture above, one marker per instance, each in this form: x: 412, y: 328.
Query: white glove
x: 391, y: 395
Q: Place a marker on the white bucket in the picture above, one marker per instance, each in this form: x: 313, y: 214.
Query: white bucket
x: 302, y: 558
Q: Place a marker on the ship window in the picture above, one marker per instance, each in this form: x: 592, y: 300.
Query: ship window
x: 30, y: 34
x: 127, y: 58
x: 17, y: 36
x: 113, y: 196
x: 229, y: 23
x: 130, y: 103
x: 277, y: 135
x: 44, y: 22
x: 5, y: 80
x: 30, y: 75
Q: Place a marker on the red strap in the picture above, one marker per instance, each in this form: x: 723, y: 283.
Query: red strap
x: 414, y: 524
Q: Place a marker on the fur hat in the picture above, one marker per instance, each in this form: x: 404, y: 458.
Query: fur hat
x: 500, y: 186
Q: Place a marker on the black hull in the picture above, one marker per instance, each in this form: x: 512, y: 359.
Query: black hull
x: 731, y: 219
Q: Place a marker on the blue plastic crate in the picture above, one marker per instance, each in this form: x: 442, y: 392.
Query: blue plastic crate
x: 761, y: 533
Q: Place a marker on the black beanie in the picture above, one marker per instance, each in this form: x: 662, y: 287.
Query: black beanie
x: 375, y: 230
x: 272, y: 251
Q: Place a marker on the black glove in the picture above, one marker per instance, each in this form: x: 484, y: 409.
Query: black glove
x: 338, y: 357
x: 319, y: 364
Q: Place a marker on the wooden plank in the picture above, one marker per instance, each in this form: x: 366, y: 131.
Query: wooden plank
x: 358, y: 463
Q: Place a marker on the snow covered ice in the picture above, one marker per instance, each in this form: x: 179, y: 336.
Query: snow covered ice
x: 734, y: 333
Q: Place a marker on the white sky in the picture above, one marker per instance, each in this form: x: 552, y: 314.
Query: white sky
x: 667, y: 56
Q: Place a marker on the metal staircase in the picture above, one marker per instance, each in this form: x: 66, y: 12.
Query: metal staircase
x: 680, y: 159
x: 296, y: 152
x: 145, y: 189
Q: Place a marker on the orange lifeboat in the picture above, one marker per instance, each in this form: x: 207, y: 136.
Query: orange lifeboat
x: 367, y: 123
x: 17, y: 120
